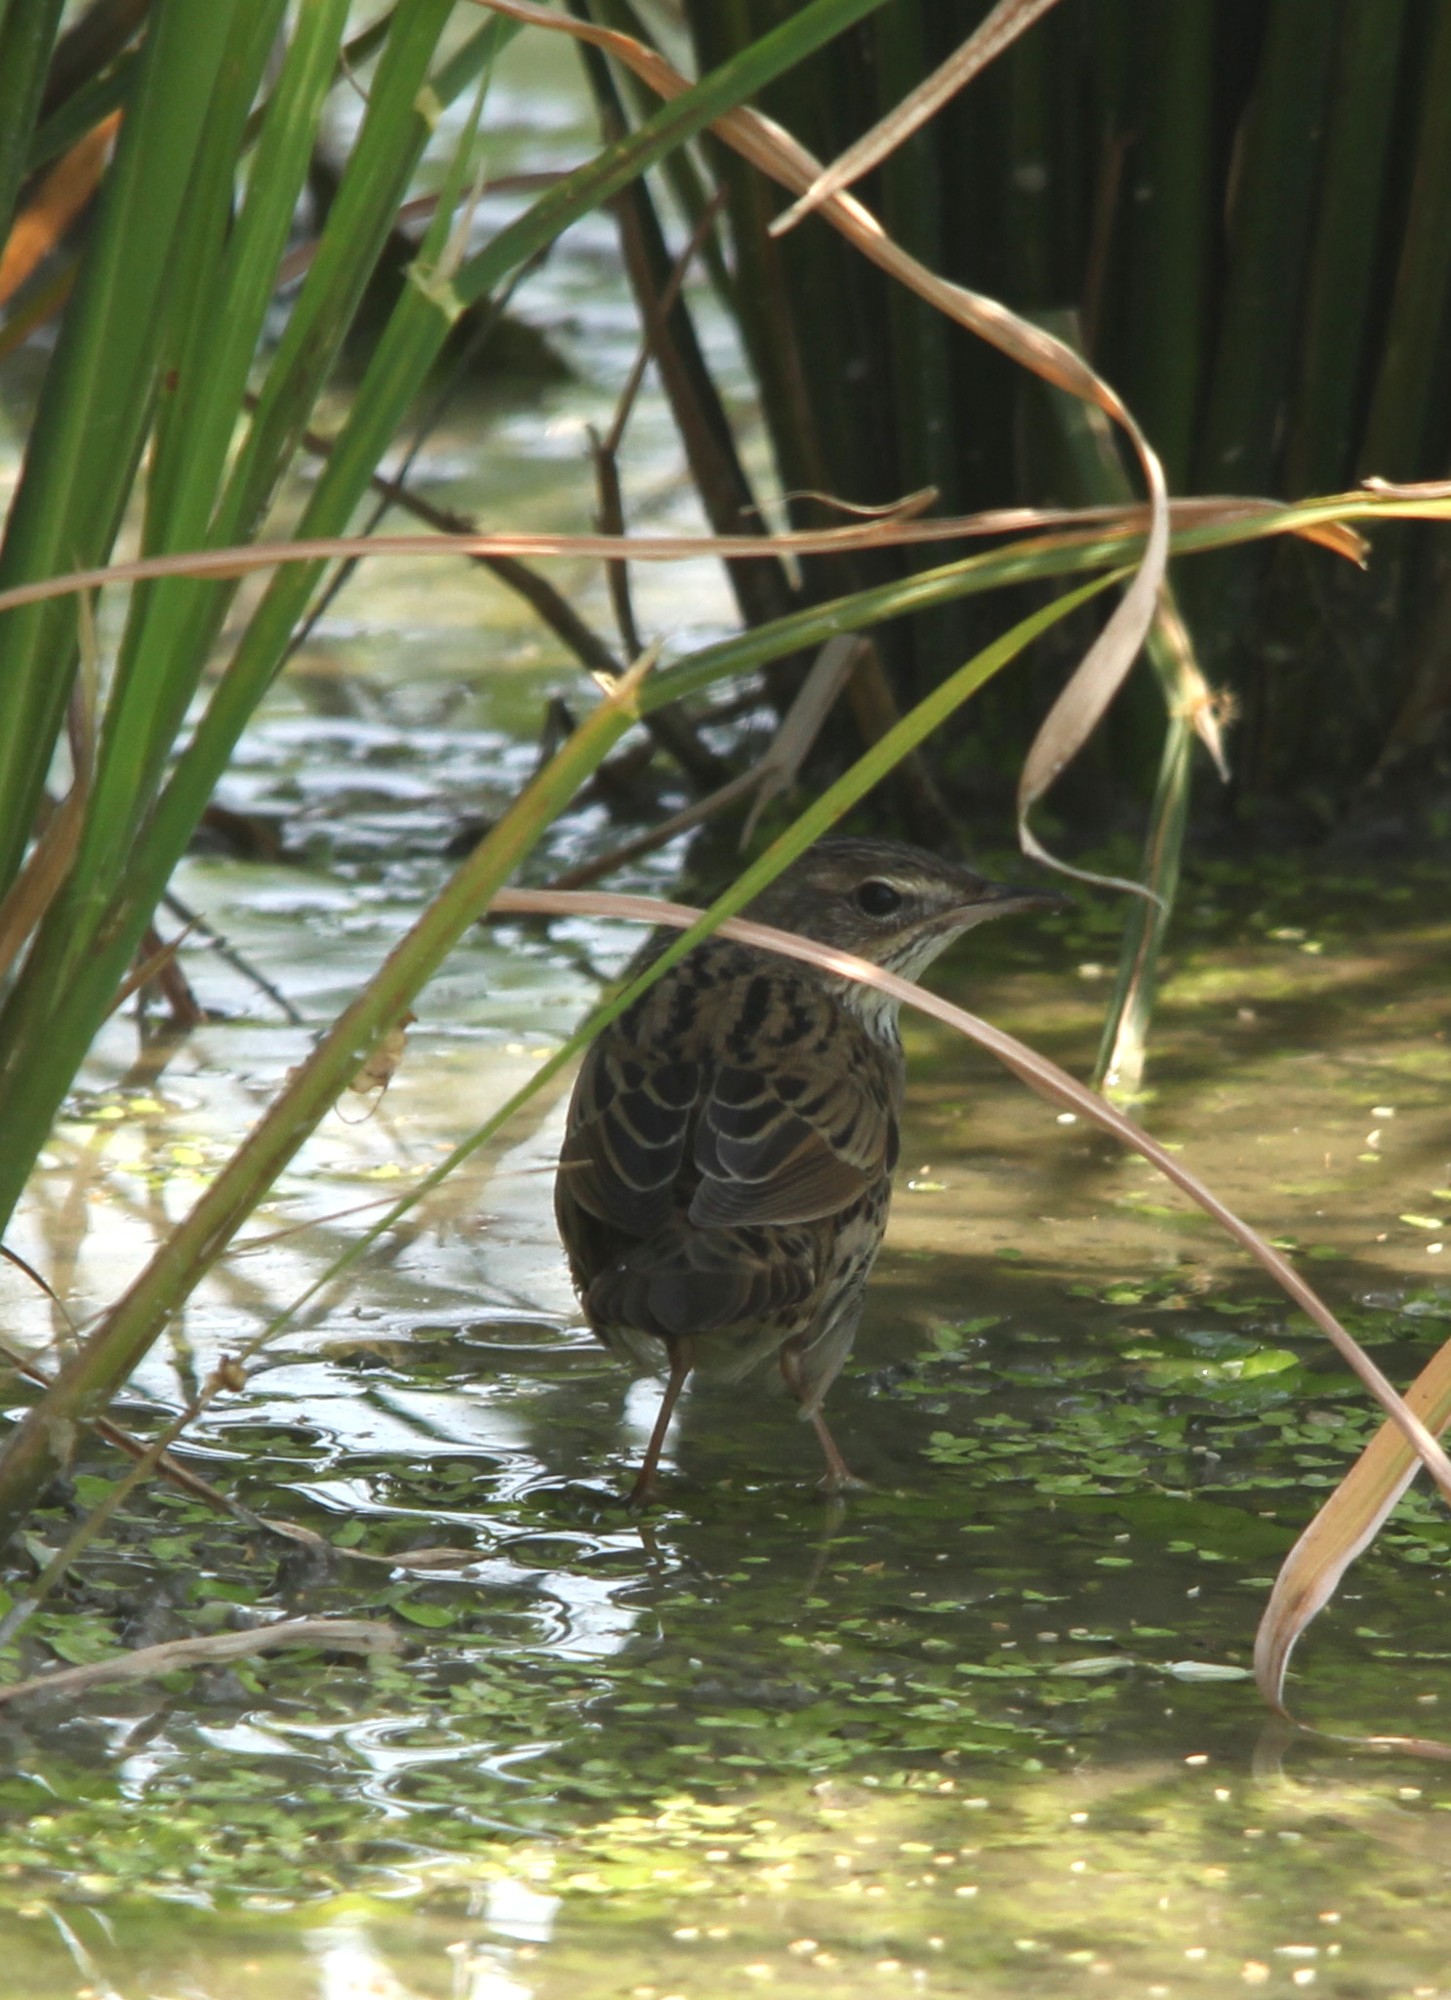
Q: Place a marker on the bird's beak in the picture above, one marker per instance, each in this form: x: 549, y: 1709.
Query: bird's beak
x: 990, y: 901
x: 1006, y: 899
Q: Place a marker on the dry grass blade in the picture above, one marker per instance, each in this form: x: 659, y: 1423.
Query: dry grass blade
x: 1002, y: 27
x: 338, y: 1635
x: 60, y: 198
x: 1040, y: 1075
x: 45, y: 869
x: 830, y: 671
x: 246, y: 558
x: 659, y: 309
x: 14, y: 1258
x: 1430, y: 490
x: 1345, y: 1526
x: 773, y: 774
x: 1102, y: 670
x: 154, y: 964
x: 896, y: 528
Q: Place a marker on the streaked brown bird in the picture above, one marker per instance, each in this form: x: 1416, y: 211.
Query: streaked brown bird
x: 727, y: 1166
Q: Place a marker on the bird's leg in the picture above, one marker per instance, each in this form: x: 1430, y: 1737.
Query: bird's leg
x: 839, y: 1476
x: 681, y: 1357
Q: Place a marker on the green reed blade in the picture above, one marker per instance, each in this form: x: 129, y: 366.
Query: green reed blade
x: 1413, y: 353
x: 110, y: 1354
x: 87, y: 433
x: 1342, y: 298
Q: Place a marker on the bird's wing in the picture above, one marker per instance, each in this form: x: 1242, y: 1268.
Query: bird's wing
x: 782, y: 1146
x: 628, y: 1122
x: 691, y: 1281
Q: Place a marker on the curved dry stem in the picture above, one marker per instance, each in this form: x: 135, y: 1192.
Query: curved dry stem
x: 1241, y: 519
x: 1040, y: 1075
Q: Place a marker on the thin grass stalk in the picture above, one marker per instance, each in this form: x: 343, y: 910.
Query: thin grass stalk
x: 803, y: 303
x: 1070, y: 541
x: 837, y: 305
x: 1062, y: 541
x: 772, y: 332
x: 110, y: 1355
x: 922, y: 393
x: 1225, y: 522
x: 762, y: 589
x: 1025, y: 216
x: 1119, y: 1066
x: 679, y: 169
x: 88, y: 430
x: 1098, y: 472
x: 1108, y: 62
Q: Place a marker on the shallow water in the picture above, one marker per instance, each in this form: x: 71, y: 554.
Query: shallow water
x: 984, y: 1729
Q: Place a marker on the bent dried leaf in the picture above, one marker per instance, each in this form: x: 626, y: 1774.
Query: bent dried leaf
x: 1345, y: 1526
x: 1002, y: 27
x: 1103, y: 668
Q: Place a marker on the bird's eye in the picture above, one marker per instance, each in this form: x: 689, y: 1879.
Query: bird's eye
x: 878, y: 899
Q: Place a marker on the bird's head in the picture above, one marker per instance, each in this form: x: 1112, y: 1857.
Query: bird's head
x: 882, y: 900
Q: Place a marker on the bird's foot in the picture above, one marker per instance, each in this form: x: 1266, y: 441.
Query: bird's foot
x: 840, y: 1480
x: 839, y: 1477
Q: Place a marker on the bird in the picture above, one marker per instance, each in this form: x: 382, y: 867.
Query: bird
x: 726, y: 1170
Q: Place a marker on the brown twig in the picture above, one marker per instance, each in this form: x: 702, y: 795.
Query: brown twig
x: 337, y: 1635
x: 670, y: 727
x: 762, y: 589
x: 156, y: 965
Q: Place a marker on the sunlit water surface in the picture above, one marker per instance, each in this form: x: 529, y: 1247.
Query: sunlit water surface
x: 985, y: 1729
